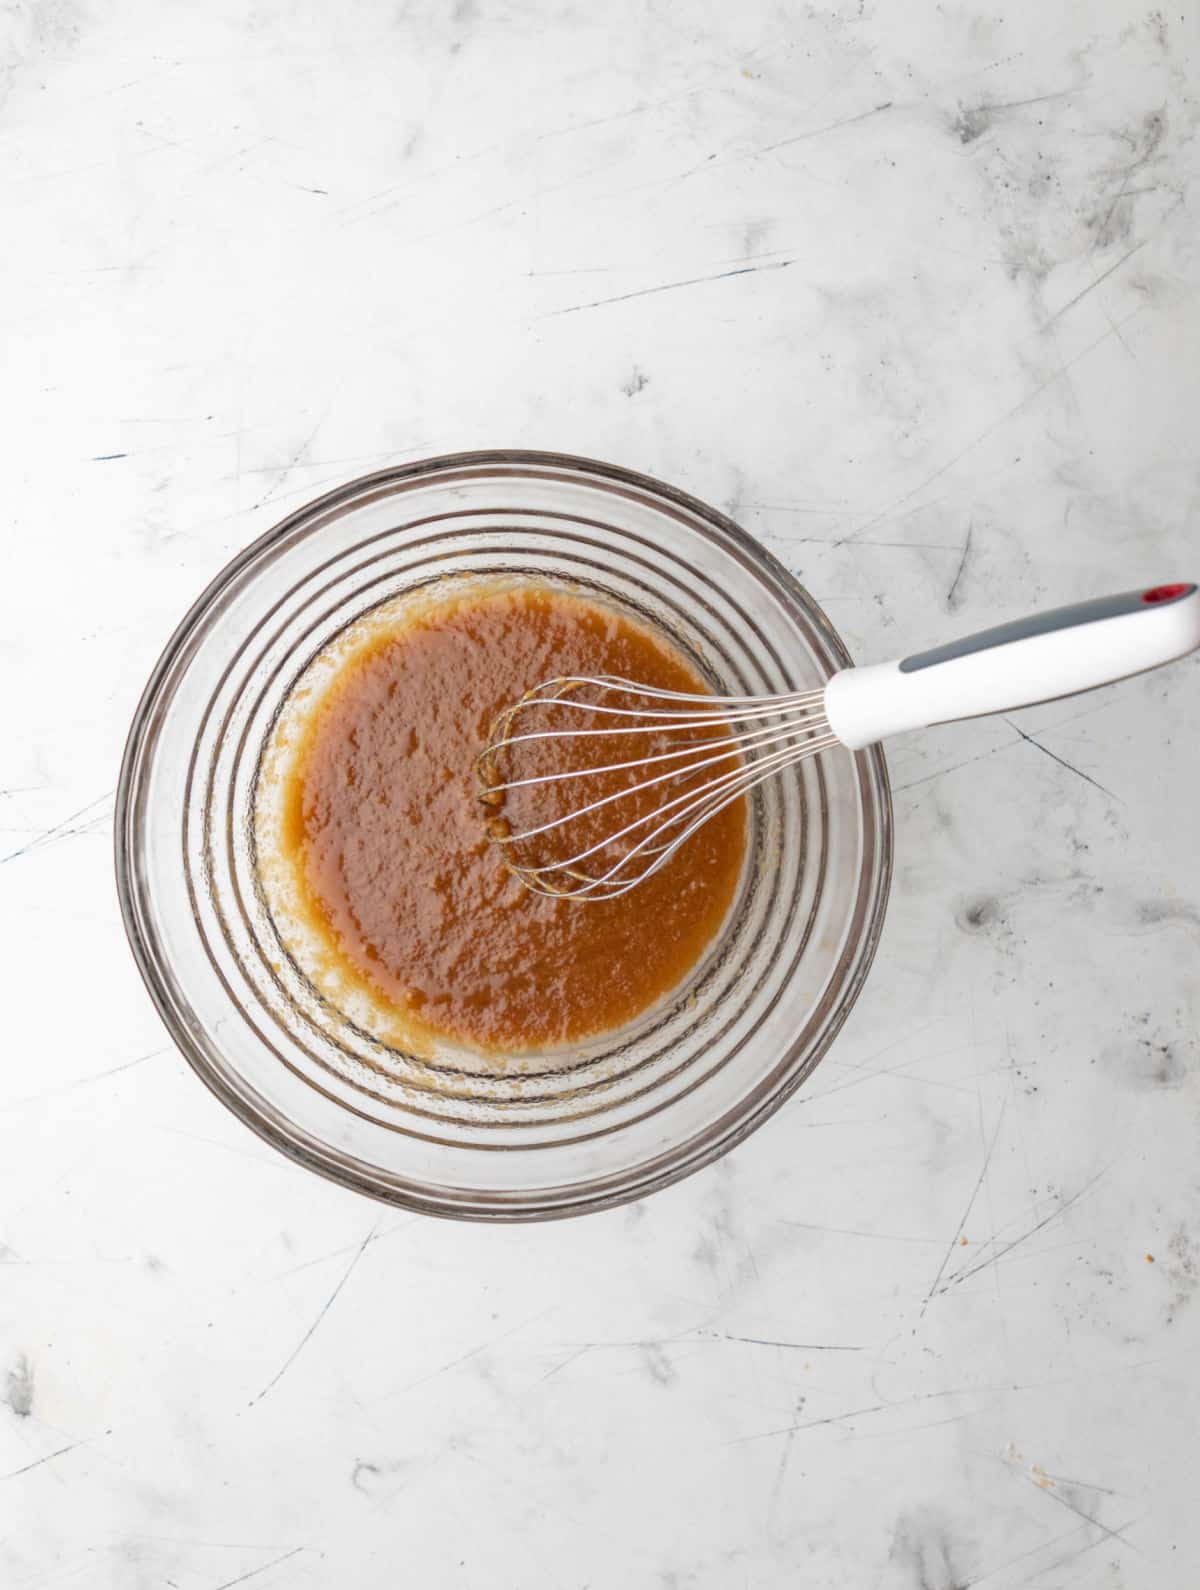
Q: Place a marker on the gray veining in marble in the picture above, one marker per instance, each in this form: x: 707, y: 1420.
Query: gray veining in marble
x: 911, y: 291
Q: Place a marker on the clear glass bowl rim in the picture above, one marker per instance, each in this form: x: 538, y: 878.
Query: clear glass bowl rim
x: 799, y: 1062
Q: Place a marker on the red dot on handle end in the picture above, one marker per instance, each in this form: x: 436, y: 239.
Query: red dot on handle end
x: 1166, y: 593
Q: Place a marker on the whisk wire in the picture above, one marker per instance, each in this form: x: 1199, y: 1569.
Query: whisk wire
x: 629, y: 687
x: 693, y: 803
x: 700, y: 806
x: 730, y: 746
x: 787, y: 729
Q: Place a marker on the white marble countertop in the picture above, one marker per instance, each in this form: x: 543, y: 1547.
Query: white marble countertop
x: 911, y: 291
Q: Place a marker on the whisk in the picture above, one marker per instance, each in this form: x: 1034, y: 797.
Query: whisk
x: 595, y: 850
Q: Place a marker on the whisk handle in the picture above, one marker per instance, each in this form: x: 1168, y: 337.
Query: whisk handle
x: 1051, y: 654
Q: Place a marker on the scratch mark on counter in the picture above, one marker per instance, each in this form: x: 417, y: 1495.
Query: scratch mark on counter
x: 79, y: 1082
x: 107, y: 458
x: 336, y: 1253
x: 819, y: 132
x: 781, y: 1470
x: 839, y: 542
x: 126, y: 1065
x: 562, y: 1364
x: 808, y: 1347
x: 877, y: 1054
x: 1063, y: 1479
x: 910, y: 1430
x: 1062, y: 762
x: 1043, y: 1545
x: 1069, y: 1556
x: 1103, y: 235
x: 329, y: 1302
x: 1038, y: 99
x: 254, y: 1572
x: 37, y: 1463
x: 953, y: 1243
x: 883, y: 1407
x: 620, y: 115
x: 853, y: 1231
x: 1110, y: 1534
x: 865, y: 1072
x: 1054, y: 1214
x: 833, y: 1418
x: 1116, y: 330
x: 901, y: 1073
x: 297, y: 458
x: 667, y: 287
x: 1092, y: 285
x: 958, y: 574
x: 905, y: 546
x: 927, y: 778
x: 60, y: 830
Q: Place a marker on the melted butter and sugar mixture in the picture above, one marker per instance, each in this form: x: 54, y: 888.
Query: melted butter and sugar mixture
x: 385, y: 838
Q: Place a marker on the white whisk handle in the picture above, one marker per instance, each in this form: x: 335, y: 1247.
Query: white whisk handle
x: 1056, y: 653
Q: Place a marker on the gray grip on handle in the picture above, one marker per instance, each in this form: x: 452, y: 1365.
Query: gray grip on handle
x: 1042, y: 623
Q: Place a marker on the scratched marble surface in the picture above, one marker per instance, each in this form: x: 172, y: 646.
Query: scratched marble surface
x: 912, y: 292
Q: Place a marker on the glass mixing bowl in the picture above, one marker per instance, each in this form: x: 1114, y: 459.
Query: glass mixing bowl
x: 565, y: 1132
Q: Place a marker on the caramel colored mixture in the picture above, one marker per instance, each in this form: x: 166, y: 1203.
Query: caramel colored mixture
x: 385, y: 831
